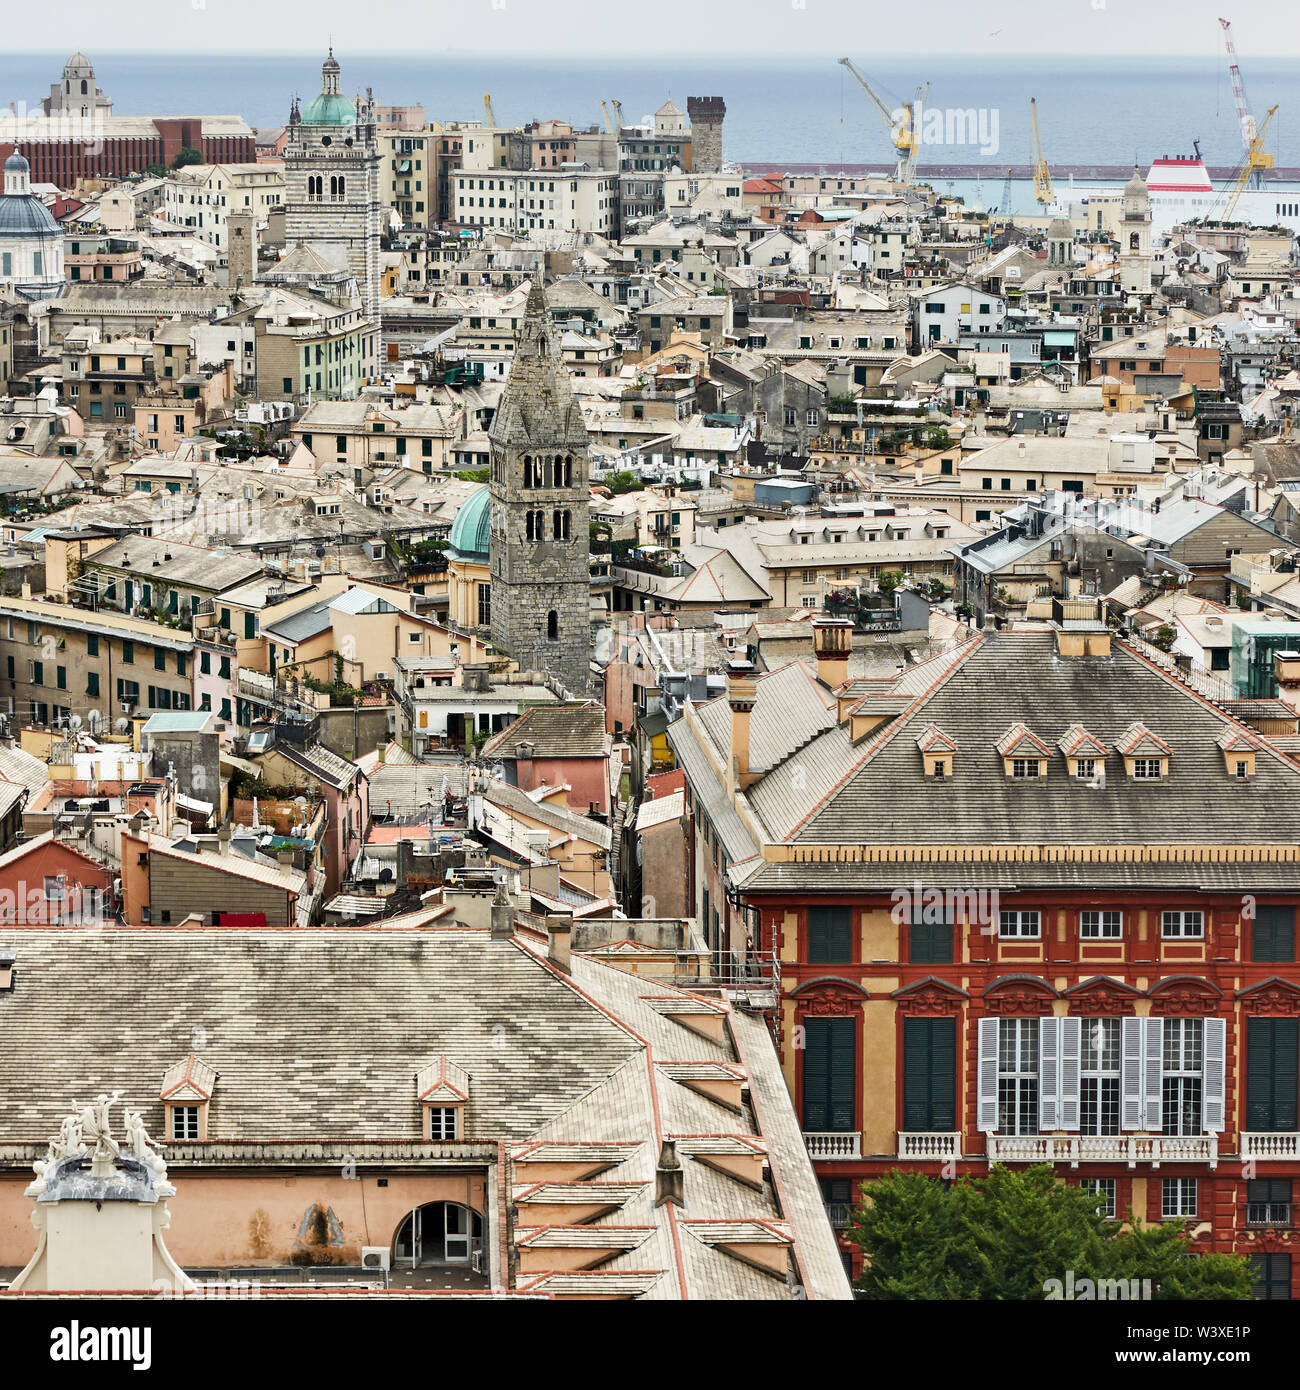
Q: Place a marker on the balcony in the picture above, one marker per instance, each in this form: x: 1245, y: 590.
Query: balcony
x: 1132, y: 1149
x: 838, y: 1214
x: 930, y: 1146
x: 837, y: 1145
x: 1270, y: 1145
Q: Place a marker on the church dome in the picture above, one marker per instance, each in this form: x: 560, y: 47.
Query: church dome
x: 1135, y: 187
x: 469, y: 538
x: 329, y: 108
x: 22, y: 214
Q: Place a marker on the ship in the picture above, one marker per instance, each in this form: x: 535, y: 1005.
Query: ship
x: 1181, y: 190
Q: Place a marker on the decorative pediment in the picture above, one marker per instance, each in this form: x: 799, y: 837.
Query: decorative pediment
x: 932, y: 739
x: 442, y: 1082
x: 829, y: 995
x: 1137, y: 741
x: 1102, y: 997
x: 1020, y: 741
x: 1025, y: 995
x: 189, y: 1082
x: 1272, y: 998
x: 1181, y: 995
x: 931, y: 996
x: 1077, y: 742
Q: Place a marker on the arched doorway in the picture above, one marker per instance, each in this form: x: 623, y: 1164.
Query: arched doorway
x: 438, y: 1233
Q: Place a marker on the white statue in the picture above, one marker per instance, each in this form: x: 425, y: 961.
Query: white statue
x: 96, y: 1129
x: 141, y: 1145
x: 67, y: 1143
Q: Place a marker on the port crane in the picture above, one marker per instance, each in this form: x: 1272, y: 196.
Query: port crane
x: 1258, y: 159
x: 902, y: 134
x: 1043, y: 194
x: 609, y: 125
x: 487, y: 110
x: 1248, y: 166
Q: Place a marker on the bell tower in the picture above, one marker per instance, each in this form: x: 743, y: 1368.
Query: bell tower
x: 539, y: 541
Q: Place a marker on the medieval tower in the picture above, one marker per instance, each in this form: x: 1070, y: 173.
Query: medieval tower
x: 331, y: 176
x: 539, y: 542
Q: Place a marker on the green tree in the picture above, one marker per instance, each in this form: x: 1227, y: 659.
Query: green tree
x: 156, y: 171
x: 189, y: 155
x: 1163, y: 637
x: 624, y: 481
x: 888, y: 581
x: 474, y: 475
x: 1006, y: 1234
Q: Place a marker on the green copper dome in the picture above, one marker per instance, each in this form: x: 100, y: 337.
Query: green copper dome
x: 469, y: 538
x: 329, y: 108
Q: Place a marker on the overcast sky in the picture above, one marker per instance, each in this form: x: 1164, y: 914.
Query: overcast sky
x: 713, y: 27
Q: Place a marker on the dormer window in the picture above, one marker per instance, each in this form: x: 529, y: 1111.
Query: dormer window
x: 1085, y: 754
x: 186, y: 1092
x: 1146, y: 757
x: 937, y: 751
x: 1238, y: 753
x: 1024, y: 754
x: 442, y: 1089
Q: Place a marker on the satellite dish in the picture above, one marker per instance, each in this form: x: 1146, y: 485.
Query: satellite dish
x: 122, y: 726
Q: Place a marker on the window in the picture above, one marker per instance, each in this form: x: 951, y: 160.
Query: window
x: 1272, y: 1276
x: 930, y: 936
x: 92, y: 645
x: 1181, y: 1076
x: 830, y: 935
x: 552, y: 626
x: 92, y: 683
x: 1085, y: 767
x: 830, y: 1069
x: 442, y: 1121
x: 1025, y: 767
x: 1182, y: 925
x: 159, y: 659
x: 929, y: 1074
x: 1268, y: 1202
x: 1099, y: 1077
x: 1146, y: 769
x: 61, y: 677
x: 1101, y: 926
x: 1025, y: 925
x: 53, y: 888
x: 1272, y: 934
x: 1272, y: 1060
x: 128, y: 653
x: 185, y: 1121
x: 1105, y: 1190
x: 1178, y: 1197
x: 1017, y: 1076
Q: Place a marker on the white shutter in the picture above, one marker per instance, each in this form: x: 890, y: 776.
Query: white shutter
x: 1071, y: 1060
x: 988, y: 1075
x: 1152, y: 1071
x: 1049, y: 1073
x: 1130, y: 1084
x: 1212, y: 1083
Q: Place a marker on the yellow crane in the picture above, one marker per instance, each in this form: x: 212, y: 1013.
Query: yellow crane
x: 618, y: 111
x: 1255, y: 158
x: 487, y: 110
x: 902, y: 133
x: 1043, y: 193
x: 609, y: 125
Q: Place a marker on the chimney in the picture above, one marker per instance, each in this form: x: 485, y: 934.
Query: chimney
x: 223, y: 840
x: 560, y: 932
x: 670, y: 1180
x: 832, y: 643
x: 503, y: 915
x: 742, y: 690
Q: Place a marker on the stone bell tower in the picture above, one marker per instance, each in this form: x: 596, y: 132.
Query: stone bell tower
x: 539, y: 544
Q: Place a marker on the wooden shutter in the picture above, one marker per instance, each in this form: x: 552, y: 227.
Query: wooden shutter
x: 929, y: 1074
x: 987, y: 1119
x: 830, y: 935
x: 1071, y: 1061
x: 1049, y: 1072
x: 930, y: 943
x: 1272, y: 934
x: 1212, y: 1075
x: 1152, y: 1072
x: 1272, y: 1057
x: 1130, y: 1084
x: 829, y: 1075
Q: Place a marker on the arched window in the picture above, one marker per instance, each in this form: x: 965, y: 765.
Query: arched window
x: 552, y: 626
x: 342, y: 187
x: 568, y: 471
x: 334, y: 186
x: 85, y: 91
x: 528, y: 471
x: 1134, y: 242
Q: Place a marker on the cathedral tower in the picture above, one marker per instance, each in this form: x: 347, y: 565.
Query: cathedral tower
x: 539, y: 541
x: 331, y: 177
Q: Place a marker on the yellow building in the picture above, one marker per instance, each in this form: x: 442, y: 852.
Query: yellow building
x: 469, y: 578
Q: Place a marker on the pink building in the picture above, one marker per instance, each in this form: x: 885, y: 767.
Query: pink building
x: 560, y: 746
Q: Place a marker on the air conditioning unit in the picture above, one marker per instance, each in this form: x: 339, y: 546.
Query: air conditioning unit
x: 376, y: 1257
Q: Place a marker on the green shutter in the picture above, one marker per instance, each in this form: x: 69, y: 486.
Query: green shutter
x: 1272, y: 934
x: 830, y: 935
x: 1272, y: 1057
x: 929, y: 1074
x: 930, y: 942
x: 829, y: 1075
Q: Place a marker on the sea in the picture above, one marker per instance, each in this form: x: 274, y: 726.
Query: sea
x: 1092, y: 109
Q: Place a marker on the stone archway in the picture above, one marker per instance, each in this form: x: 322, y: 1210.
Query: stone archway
x: 438, y: 1233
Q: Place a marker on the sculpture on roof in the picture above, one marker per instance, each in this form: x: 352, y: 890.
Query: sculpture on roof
x: 96, y: 1129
